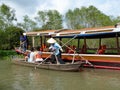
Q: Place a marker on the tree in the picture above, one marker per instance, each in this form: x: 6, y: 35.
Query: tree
x: 86, y: 17
x: 49, y: 19
x: 41, y: 18
x: 96, y: 18
x: 2, y: 40
x: 69, y: 19
x: 12, y: 37
x: 28, y: 24
x: 7, y: 16
x: 115, y: 19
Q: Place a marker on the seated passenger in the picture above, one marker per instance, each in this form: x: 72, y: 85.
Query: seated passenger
x: 83, y: 49
x: 37, y: 54
x: 43, y: 48
x: 102, y: 49
x: 27, y: 53
x: 72, y: 50
x: 67, y: 48
x: 31, y: 56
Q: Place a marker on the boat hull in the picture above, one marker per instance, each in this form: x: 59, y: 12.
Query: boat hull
x: 58, y: 67
x: 99, y: 61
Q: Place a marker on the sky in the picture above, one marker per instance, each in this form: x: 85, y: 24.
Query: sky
x: 31, y: 7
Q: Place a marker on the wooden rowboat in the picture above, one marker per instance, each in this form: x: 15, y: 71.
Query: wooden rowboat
x: 59, y: 67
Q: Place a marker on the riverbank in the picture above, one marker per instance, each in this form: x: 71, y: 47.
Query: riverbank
x: 7, y: 54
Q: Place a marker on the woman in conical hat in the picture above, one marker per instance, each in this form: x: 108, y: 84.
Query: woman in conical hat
x: 51, y: 40
x: 57, y: 49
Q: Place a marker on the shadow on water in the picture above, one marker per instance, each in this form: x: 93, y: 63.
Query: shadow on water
x: 14, y: 77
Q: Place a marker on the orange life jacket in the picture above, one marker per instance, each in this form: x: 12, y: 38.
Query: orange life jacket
x: 102, y: 49
x: 43, y: 47
x: 38, y: 55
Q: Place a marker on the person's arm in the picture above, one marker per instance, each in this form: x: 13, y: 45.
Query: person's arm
x: 61, y: 49
x: 50, y: 47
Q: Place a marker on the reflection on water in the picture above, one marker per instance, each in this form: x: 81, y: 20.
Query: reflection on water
x: 14, y: 77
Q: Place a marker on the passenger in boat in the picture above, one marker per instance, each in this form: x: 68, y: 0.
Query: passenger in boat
x: 72, y: 49
x: 67, y: 49
x: 102, y: 49
x: 27, y: 55
x: 56, y: 49
x: 31, y: 56
x: 83, y: 49
x: 117, y: 25
x: 43, y: 47
x: 38, y: 55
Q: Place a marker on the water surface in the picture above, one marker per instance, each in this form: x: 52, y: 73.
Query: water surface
x: 15, y: 77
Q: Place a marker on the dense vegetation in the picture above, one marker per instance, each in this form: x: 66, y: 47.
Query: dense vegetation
x: 78, y: 18
x: 7, y: 54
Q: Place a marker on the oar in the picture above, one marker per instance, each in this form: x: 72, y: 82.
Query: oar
x: 64, y: 44
x: 87, y: 62
x: 73, y: 58
x: 55, y: 55
x: 69, y: 47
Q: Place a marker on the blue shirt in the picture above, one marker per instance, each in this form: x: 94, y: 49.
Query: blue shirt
x: 56, y: 48
x: 23, y: 38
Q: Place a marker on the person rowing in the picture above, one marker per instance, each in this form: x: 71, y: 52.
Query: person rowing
x: 56, y: 49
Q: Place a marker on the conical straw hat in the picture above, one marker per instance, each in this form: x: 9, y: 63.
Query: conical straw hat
x: 51, y: 40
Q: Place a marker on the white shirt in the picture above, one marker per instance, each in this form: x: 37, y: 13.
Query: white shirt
x: 31, y: 59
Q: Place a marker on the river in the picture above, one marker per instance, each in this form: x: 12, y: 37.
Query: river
x: 15, y: 77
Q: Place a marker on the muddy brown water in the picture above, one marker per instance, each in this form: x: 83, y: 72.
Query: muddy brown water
x: 15, y: 77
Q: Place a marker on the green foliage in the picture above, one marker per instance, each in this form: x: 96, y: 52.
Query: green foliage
x: 41, y: 18
x: 10, y: 37
x: 13, y: 34
x: 28, y: 24
x: 6, y: 53
x: 87, y: 17
x: 49, y: 19
x: 2, y: 40
x: 9, y: 33
x: 115, y: 19
x: 7, y: 16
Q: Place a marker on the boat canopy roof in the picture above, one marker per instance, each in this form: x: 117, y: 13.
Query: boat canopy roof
x: 66, y: 31
x: 92, y: 35
x: 101, y: 32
